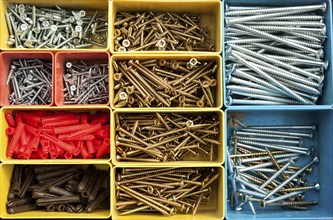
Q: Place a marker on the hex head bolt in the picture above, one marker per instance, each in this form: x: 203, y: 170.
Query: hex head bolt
x: 315, y: 160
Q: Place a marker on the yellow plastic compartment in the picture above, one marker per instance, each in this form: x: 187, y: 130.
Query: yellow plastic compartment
x: 4, y: 138
x: 213, y: 210
x: 218, y: 96
x: 191, y: 161
x: 87, y: 5
x: 208, y: 10
x: 6, y: 171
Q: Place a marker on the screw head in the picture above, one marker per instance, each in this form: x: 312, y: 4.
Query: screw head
x: 54, y: 28
x: 82, y: 13
x: 24, y: 27
x: 262, y: 204
x: 229, y: 100
x: 69, y: 65
x: 123, y: 96
x: 126, y: 43
x: 78, y: 28
x: 317, y: 186
x: 122, y: 49
x: 316, y: 159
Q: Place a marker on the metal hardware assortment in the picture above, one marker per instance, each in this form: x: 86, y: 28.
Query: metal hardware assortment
x: 148, y: 31
x: 157, y: 137
x: 30, y: 82
x: 261, y: 168
x: 54, y: 28
x: 85, y: 83
x: 275, y: 54
x: 48, y: 134
x: 165, y: 83
x: 58, y: 188
x: 163, y: 190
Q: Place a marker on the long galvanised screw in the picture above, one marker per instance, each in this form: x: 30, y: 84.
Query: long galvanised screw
x: 288, y: 148
x: 279, y: 12
x: 293, y: 203
x: 32, y: 27
x: 279, y: 127
x: 287, y: 90
x: 279, y: 198
x: 252, y: 170
x: 316, y: 187
x: 267, y: 164
x: 85, y: 83
x: 257, y: 10
x: 31, y: 82
x: 276, y: 174
x: 259, y: 132
x: 284, y: 44
x: 315, y: 160
x: 158, y: 83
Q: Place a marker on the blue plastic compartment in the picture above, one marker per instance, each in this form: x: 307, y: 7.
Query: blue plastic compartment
x: 322, y: 172
x: 327, y: 93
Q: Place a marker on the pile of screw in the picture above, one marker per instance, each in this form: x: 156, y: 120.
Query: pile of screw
x: 260, y: 167
x: 157, y: 137
x: 61, y: 188
x: 86, y: 84
x: 30, y: 82
x: 155, y: 31
x: 57, y: 28
x: 164, y: 190
x: 161, y: 83
x: 275, y: 54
